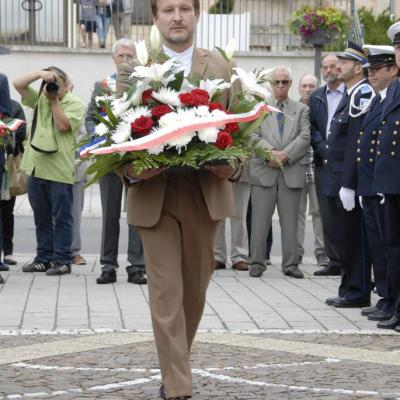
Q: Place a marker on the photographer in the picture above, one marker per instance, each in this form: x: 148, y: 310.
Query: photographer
x: 49, y: 161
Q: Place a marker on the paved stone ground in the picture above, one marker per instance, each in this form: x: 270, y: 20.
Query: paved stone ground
x: 236, y: 366
x: 235, y: 301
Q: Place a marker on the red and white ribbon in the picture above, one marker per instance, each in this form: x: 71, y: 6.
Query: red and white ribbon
x: 166, y: 134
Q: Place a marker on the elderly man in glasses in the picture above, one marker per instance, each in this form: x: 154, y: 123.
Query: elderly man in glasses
x: 279, y: 183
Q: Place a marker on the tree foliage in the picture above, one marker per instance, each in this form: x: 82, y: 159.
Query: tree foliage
x: 222, y: 7
x: 375, y: 26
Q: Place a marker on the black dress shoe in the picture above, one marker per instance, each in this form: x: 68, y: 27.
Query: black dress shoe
x: 329, y: 270
x: 137, y: 277
x: 4, y: 267
x: 379, y: 315
x: 107, y: 277
x: 331, y: 300
x: 322, y: 260
x: 344, y: 303
x: 368, y: 310
x: 391, y: 323
x: 1, y: 280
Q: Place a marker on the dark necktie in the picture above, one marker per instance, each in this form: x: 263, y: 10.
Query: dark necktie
x: 281, y: 119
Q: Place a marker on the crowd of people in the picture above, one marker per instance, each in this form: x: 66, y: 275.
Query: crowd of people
x: 334, y: 148
x: 96, y: 16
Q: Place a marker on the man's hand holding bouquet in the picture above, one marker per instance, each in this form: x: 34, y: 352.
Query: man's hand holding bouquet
x: 165, y: 120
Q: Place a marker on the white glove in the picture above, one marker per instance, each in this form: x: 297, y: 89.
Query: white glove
x: 360, y: 201
x: 382, y: 196
x: 347, y: 197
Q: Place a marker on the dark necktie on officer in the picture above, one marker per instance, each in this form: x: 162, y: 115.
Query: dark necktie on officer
x: 281, y: 118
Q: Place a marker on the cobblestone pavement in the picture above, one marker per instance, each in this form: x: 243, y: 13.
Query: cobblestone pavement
x: 236, y: 366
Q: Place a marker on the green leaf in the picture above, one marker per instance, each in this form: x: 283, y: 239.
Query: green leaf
x: 222, y: 52
x: 177, y: 83
x: 110, y: 114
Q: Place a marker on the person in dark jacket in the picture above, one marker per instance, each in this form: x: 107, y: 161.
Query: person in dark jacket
x: 7, y: 206
x: 323, y: 103
x: 5, y: 110
x: 345, y: 229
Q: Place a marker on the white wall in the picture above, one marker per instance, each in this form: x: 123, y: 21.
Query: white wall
x: 85, y: 68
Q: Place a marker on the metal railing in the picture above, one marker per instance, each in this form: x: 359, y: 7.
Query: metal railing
x: 257, y: 25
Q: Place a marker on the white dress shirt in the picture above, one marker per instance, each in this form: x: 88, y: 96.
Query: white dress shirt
x: 185, y: 57
x: 333, y: 98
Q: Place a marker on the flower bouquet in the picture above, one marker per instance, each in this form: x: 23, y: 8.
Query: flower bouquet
x: 7, y: 126
x: 165, y: 120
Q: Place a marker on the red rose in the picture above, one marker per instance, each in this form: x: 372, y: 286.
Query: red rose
x: 187, y: 99
x: 233, y: 127
x: 147, y: 96
x: 224, y: 140
x: 159, y: 111
x: 197, y: 97
x: 142, y: 125
x: 216, y: 106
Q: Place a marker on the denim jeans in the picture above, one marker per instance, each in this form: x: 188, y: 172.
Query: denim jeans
x: 103, y: 25
x: 52, y: 211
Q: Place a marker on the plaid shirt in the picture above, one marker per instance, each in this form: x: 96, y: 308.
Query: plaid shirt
x: 310, y: 178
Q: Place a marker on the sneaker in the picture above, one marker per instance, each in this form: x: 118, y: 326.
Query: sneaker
x: 59, y: 269
x: 78, y: 260
x: 256, y: 270
x: 9, y: 260
x: 37, y: 267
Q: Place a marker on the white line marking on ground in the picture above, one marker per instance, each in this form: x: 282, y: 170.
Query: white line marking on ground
x: 350, y: 392
x: 120, y: 385
x: 156, y: 371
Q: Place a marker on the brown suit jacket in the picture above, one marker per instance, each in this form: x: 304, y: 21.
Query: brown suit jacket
x: 145, y: 200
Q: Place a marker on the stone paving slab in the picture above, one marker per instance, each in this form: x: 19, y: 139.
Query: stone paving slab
x: 235, y: 302
x: 224, y: 365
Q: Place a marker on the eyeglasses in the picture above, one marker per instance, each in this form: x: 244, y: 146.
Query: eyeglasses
x: 284, y: 82
x: 376, y: 68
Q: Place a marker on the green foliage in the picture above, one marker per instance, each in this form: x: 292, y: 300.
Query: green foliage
x: 375, y: 26
x: 222, y: 7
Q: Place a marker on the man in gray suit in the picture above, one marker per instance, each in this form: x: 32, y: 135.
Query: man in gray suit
x: 111, y: 188
x: 279, y: 183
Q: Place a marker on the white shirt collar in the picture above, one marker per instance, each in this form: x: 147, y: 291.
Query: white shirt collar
x: 383, y: 93
x: 185, y: 57
x: 341, y: 88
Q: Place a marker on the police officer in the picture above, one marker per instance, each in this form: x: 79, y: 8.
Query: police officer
x: 382, y: 71
x: 345, y: 228
x: 387, y: 181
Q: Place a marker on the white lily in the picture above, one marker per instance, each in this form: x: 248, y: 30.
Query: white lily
x: 250, y: 83
x: 155, y: 39
x: 230, y: 49
x: 119, y: 106
x: 214, y: 85
x: 141, y: 52
x: 163, y: 73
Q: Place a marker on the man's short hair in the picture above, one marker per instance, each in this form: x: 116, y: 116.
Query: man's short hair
x: 283, y: 68
x: 154, y: 4
x: 124, y: 42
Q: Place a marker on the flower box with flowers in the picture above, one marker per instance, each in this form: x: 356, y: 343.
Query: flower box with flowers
x: 164, y: 120
x: 318, y: 25
x: 7, y: 126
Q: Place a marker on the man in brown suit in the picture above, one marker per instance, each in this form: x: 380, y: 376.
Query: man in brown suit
x: 177, y: 212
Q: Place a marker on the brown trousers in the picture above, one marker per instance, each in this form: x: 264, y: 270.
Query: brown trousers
x: 179, y: 262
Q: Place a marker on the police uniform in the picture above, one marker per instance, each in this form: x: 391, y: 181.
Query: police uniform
x: 345, y: 228
x: 372, y: 205
x: 387, y: 181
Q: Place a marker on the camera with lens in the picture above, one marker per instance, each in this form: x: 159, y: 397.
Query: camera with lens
x: 52, y: 87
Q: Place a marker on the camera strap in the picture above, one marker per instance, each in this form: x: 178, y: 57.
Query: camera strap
x: 34, y: 122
